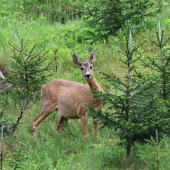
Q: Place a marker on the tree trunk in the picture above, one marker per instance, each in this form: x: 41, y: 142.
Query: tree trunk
x: 128, y: 148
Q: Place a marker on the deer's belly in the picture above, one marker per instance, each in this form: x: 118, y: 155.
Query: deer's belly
x: 67, y: 114
x: 68, y: 107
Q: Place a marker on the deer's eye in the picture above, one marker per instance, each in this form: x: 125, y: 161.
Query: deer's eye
x: 91, y: 67
x: 82, y: 68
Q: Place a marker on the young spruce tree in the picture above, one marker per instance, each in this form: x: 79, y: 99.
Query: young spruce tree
x: 28, y: 72
x: 108, y: 16
x: 135, y: 112
x: 160, y: 63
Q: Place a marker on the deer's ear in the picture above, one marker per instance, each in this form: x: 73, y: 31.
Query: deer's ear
x: 77, y: 60
x: 93, y: 57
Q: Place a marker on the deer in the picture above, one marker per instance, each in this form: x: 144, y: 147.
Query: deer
x: 69, y: 97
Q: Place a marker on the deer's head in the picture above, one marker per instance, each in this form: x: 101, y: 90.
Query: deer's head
x: 86, y: 67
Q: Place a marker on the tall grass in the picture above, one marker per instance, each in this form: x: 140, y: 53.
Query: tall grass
x: 66, y: 39
x: 52, y: 10
x: 50, y: 149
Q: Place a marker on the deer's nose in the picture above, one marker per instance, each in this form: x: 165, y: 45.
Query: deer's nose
x: 88, y: 76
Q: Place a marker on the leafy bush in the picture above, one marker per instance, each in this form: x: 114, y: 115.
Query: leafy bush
x: 18, y: 157
x: 109, y: 152
x: 60, y: 11
x: 107, y: 17
x: 7, y: 123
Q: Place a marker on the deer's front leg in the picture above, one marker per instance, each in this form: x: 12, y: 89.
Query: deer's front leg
x: 84, y: 121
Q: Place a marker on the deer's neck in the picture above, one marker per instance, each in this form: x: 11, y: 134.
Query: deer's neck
x: 93, y: 84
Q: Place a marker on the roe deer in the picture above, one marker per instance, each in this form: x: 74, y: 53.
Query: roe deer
x: 69, y: 97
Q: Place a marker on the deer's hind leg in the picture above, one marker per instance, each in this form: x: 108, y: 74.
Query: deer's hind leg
x: 47, y: 110
x: 96, y: 127
x: 61, y: 124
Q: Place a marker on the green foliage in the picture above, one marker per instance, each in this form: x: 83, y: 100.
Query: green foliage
x: 136, y: 111
x: 69, y: 151
x: 7, y: 123
x: 28, y: 71
x: 27, y: 74
x: 160, y: 63
x: 107, y: 17
x: 18, y: 158
x: 60, y: 11
x: 155, y: 153
x: 58, y: 151
x: 109, y: 152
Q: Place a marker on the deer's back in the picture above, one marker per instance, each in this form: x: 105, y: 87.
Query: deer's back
x: 68, y: 97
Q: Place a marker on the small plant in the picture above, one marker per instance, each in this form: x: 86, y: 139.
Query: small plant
x: 17, y: 157
x: 7, y: 123
x: 161, y: 62
x: 27, y: 73
x: 156, y: 153
x: 28, y: 70
x: 109, y: 152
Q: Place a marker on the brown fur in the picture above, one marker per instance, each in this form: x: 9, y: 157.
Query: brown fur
x: 68, y: 98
